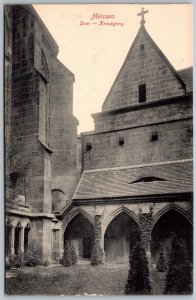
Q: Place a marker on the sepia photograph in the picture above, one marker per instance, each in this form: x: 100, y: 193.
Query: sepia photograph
x: 98, y: 149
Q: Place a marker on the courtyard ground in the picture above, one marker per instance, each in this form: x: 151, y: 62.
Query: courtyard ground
x: 75, y: 280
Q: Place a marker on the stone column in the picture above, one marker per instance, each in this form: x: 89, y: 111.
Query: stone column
x: 97, y: 256
x: 145, y: 231
x: 102, y: 247
x: 12, y: 240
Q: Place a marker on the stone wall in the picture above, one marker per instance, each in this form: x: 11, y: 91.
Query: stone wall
x: 28, y: 122
x: 7, y: 84
x: 36, y: 236
x: 8, y: 72
x: 174, y: 143
x: 63, y: 129
x: 63, y: 125
x: 42, y: 118
x: 144, y: 114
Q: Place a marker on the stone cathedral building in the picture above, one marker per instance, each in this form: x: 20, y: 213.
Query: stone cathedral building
x: 132, y: 175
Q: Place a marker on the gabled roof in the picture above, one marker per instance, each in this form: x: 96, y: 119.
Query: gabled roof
x: 142, y: 30
x: 172, y: 177
x: 165, y: 59
x: 187, y: 77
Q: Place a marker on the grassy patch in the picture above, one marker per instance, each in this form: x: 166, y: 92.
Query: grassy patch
x: 74, y: 280
x: 158, y: 282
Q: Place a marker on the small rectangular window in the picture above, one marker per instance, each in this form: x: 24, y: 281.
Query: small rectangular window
x: 142, y: 93
x: 154, y: 136
x: 121, y: 141
x: 88, y: 146
x: 142, y: 47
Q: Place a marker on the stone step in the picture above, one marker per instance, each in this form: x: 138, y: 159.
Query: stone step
x: 10, y: 274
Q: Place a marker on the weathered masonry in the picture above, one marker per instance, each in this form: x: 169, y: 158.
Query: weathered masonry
x: 40, y: 131
x: 131, y: 178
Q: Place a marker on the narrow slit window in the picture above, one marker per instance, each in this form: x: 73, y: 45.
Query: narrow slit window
x: 142, y: 48
x: 142, y: 93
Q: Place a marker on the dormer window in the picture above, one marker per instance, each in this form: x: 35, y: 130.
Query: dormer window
x: 142, y: 93
x: 147, y: 179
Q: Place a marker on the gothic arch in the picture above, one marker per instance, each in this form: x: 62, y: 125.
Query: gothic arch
x: 56, y: 189
x: 175, y: 207
x: 121, y: 232
x: 172, y: 218
x: 73, y: 213
x: 45, y: 98
x: 80, y: 232
x: 116, y: 213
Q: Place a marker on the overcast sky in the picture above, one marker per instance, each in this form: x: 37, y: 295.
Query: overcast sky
x: 95, y: 53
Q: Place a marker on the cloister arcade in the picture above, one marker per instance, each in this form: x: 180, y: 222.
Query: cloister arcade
x: 123, y: 227
x: 17, y: 236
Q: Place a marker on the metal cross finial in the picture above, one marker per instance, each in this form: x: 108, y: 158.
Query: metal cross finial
x: 142, y: 13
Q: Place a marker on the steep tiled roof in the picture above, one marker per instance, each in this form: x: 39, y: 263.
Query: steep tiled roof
x: 162, y: 178
x: 187, y: 77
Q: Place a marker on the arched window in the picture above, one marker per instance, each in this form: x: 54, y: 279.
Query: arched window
x: 59, y: 200
x: 44, y: 102
x: 26, y: 237
x: 17, y: 239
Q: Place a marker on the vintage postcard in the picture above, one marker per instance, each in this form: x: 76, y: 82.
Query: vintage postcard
x: 98, y: 126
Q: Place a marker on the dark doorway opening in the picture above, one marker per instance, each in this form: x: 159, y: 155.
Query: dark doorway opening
x: 26, y: 239
x: 8, y: 240
x: 17, y: 240
x: 120, y: 238
x: 171, y: 222
x: 86, y: 247
x: 80, y: 232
